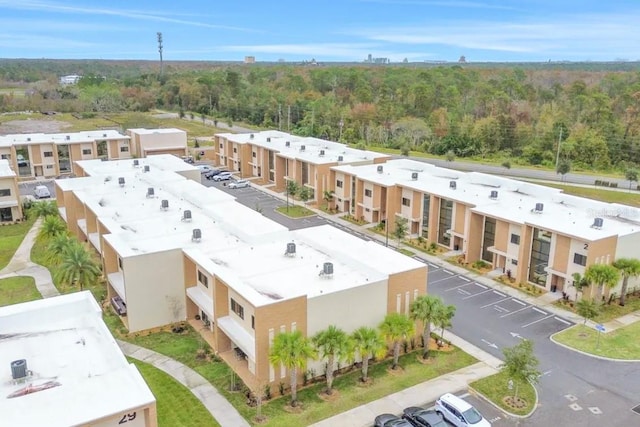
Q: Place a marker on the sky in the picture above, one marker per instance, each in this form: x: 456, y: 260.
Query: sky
x: 326, y: 30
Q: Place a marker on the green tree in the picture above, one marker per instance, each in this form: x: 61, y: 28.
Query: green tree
x: 521, y: 364
x: 588, y: 309
x: 327, y: 196
x: 601, y: 276
x: 43, y: 209
x: 450, y: 156
x: 304, y: 193
x: 57, y: 246
x: 425, y: 308
x: 579, y: 282
x: 631, y: 175
x: 292, y: 350
x: 335, y: 345
x: 52, y: 225
x: 291, y: 190
x: 564, y: 166
x: 444, y: 318
x: 394, y: 328
x: 628, y: 267
x: 401, y: 228
x: 77, y: 266
x: 368, y: 343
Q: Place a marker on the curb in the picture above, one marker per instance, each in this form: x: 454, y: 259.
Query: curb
x: 504, y: 411
x: 595, y: 356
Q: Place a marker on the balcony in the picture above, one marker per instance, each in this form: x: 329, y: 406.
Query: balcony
x: 116, y: 280
x: 201, y: 300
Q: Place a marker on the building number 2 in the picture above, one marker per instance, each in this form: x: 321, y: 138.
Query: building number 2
x: 127, y: 417
x: 586, y: 246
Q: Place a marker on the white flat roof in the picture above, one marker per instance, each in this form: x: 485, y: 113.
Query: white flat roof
x: 61, y: 138
x: 5, y: 169
x: 163, y: 162
x: 313, y: 146
x: 144, y: 131
x: 566, y: 214
x: 64, y: 340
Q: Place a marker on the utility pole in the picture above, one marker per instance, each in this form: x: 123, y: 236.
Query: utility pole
x: 160, y: 50
x: 558, y: 152
x: 279, y: 117
x: 288, y: 118
x: 341, y: 124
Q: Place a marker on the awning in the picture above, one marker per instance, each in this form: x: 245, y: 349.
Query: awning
x: 202, y: 300
x: 8, y: 203
x: 238, y: 335
x: 498, y: 252
x: 556, y: 273
x: 116, y: 280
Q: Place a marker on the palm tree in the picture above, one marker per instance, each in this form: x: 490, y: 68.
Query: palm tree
x: 444, y: 317
x: 588, y: 309
x: 394, y: 328
x: 77, y: 266
x: 334, y: 344
x: 368, y: 342
x: 602, y: 275
x: 327, y: 196
x: 52, y: 226
x: 579, y: 282
x: 44, y: 209
x: 292, y: 350
x: 57, y: 246
x: 628, y: 267
x: 425, y: 309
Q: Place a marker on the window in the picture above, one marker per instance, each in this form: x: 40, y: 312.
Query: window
x: 202, y: 278
x: 367, y: 193
x: 514, y: 262
x: 253, y: 154
x: 489, y: 239
x: 580, y: 259
x: 235, y: 150
x: 49, y: 167
x: 5, y: 192
x: 5, y: 157
x: 120, y: 263
x: 253, y: 321
x: 338, y: 183
x: 86, y: 151
x: 48, y: 153
x: 515, y: 239
x: 124, y: 149
x: 237, y: 309
x: 406, y: 201
x: 221, y: 146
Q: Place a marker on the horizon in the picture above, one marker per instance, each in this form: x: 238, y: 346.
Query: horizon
x: 489, y: 31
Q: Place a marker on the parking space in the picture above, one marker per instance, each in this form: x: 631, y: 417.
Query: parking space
x: 488, y: 411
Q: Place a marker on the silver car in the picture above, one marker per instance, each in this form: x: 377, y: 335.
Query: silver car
x: 241, y: 183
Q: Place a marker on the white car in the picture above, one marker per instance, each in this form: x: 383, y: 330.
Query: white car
x: 241, y: 183
x: 204, y: 168
x: 223, y: 176
x: 41, y: 192
x: 459, y: 412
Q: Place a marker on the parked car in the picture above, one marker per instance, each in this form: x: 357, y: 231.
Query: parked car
x: 459, y: 412
x: 41, y: 192
x: 222, y: 176
x: 21, y: 160
x: 204, y: 168
x: 390, y: 420
x: 241, y: 183
x: 210, y: 175
x: 420, y: 417
x: 188, y: 159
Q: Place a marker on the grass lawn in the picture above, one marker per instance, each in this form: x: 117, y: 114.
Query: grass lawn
x: 621, y: 344
x: 11, y: 236
x: 495, y: 388
x: 611, y: 196
x: 610, y: 311
x: 406, y: 252
x: 295, y: 211
x: 175, y: 404
x: 14, y: 290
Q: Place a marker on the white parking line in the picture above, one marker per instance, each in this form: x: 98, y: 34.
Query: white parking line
x: 440, y: 280
x: 495, y: 302
x: 448, y: 272
x: 514, y: 312
x: 500, y: 309
x: 519, y: 302
x: 463, y: 292
x: 457, y: 287
x: 499, y: 293
x: 562, y: 320
x: 478, y: 284
x: 479, y: 293
x: 536, y: 321
x: 544, y: 313
x: 465, y: 279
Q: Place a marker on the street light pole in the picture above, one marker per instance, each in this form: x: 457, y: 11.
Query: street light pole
x: 386, y: 228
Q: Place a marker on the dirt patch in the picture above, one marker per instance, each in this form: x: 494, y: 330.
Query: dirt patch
x: 32, y: 126
x: 335, y: 395
x: 515, y: 402
x: 367, y: 383
x: 298, y: 409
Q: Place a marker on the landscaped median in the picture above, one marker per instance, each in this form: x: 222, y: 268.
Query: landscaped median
x: 621, y: 344
x: 295, y: 211
x: 499, y: 391
x: 14, y: 290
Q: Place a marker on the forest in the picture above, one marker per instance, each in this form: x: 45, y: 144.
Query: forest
x: 586, y: 117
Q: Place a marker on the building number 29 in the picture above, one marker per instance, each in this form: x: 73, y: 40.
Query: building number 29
x: 127, y: 417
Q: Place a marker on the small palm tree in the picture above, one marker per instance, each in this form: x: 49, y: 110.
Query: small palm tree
x: 444, y: 318
x: 401, y: 228
x: 628, y: 267
x: 57, y: 246
x: 52, y: 226
x: 394, y: 328
x: 77, y: 266
x: 290, y: 190
x: 327, y: 196
x: 334, y: 344
x: 292, y: 350
x: 44, y: 209
x: 588, y: 309
x: 425, y: 309
x: 368, y: 342
x: 579, y: 282
x: 602, y: 275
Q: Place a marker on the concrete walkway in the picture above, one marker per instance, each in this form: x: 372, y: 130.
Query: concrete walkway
x: 21, y: 265
x: 216, y: 404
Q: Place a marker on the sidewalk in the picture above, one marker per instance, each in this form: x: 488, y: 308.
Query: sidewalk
x: 223, y: 412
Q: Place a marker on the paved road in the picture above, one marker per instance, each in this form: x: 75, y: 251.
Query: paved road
x: 575, y: 390
x: 26, y: 188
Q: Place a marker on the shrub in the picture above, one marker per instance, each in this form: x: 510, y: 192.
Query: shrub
x: 267, y: 392
x: 281, y: 388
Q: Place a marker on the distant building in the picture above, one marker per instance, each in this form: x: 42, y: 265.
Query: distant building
x: 145, y: 142
x: 10, y: 209
x: 71, y: 79
x: 249, y: 59
x: 371, y: 60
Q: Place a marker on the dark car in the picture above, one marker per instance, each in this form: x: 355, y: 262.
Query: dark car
x: 420, y: 417
x: 211, y: 174
x: 390, y: 420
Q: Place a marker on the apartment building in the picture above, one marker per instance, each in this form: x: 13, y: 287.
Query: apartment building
x: 538, y: 234
x: 277, y: 157
x: 39, y: 155
x: 62, y: 367
x: 10, y: 206
x: 147, y: 142
x: 173, y: 249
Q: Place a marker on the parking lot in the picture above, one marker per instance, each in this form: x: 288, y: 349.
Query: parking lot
x: 26, y: 188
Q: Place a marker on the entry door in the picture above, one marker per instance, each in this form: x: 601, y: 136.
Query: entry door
x: 38, y: 170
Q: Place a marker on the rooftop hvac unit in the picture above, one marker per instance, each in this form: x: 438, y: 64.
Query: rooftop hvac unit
x: 136, y: 162
x: 150, y: 192
x: 164, y: 205
x: 597, y: 223
x: 19, y: 369
x: 186, y: 215
x: 268, y: 139
x: 287, y: 143
x: 493, y: 195
x: 380, y: 169
x: 327, y: 269
x: 453, y: 185
x: 29, y: 139
x: 539, y: 208
x: 302, y: 148
x: 414, y: 176
x: 321, y: 152
x: 251, y: 136
x: 340, y: 158
x: 196, y: 235
x: 121, y: 181
x: 291, y: 249
x: 147, y: 168
x: 104, y: 135
x: 68, y: 138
